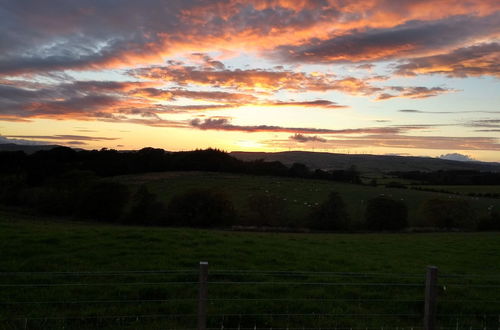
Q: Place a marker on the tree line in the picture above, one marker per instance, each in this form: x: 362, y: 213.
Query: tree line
x: 44, y: 164
x: 451, y: 177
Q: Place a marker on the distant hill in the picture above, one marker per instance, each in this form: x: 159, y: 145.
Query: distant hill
x: 29, y: 149
x: 366, y: 163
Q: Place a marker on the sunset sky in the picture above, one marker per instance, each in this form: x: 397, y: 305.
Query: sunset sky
x: 408, y: 77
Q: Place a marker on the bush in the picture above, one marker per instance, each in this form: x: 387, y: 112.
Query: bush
x: 104, y: 200
x: 383, y: 213
x: 48, y: 200
x: 266, y: 210
x: 491, y: 222
x: 394, y: 184
x: 146, y: 209
x: 448, y: 213
x: 10, y: 190
x: 201, y: 208
x: 299, y: 170
x: 331, y: 214
x: 60, y: 195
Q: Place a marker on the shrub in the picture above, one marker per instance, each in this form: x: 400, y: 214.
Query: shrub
x: 10, y: 190
x: 59, y: 195
x: 146, y: 209
x: 299, y: 170
x: 48, y: 200
x: 104, y: 200
x: 448, y: 213
x: 201, y: 208
x: 394, y: 184
x: 266, y: 210
x: 330, y: 215
x: 491, y: 222
x: 383, y: 213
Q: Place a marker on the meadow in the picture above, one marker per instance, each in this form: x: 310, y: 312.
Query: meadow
x: 61, y: 274
x: 299, y: 195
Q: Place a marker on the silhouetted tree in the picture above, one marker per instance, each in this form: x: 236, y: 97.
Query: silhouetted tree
x: 146, y: 209
x: 201, y: 208
x: 490, y: 222
x: 104, y: 200
x: 383, y: 213
x: 266, y: 210
x: 331, y: 214
x: 299, y: 170
x: 448, y: 213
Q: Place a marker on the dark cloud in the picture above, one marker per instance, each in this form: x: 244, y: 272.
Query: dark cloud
x: 42, y: 36
x: 306, y: 138
x: 407, y: 40
x: 420, y: 111
x: 5, y: 140
x: 64, y: 137
x: 79, y: 100
x: 86, y: 34
x: 413, y: 92
x: 75, y: 143
x: 488, y: 124
x: 224, y: 124
x: 445, y: 112
x: 365, y: 66
x: 310, y: 104
x: 478, y: 60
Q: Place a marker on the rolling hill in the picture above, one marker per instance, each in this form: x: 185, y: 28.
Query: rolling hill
x: 29, y: 149
x: 365, y: 163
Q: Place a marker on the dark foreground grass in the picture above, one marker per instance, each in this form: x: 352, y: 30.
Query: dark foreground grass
x: 384, y: 291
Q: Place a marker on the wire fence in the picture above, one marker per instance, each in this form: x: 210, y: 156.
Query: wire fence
x: 248, y: 299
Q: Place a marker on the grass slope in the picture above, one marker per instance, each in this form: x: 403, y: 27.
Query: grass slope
x: 299, y: 195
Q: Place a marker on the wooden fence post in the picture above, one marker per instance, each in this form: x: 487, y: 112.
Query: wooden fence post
x: 203, y: 296
x: 430, y: 298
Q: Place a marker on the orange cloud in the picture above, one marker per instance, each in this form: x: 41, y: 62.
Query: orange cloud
x: 256, y: 79
x: 270, y: 81
x: 173, y: 94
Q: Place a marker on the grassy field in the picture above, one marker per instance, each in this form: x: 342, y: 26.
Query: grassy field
x: 300, y: 195
x: 121, y: 299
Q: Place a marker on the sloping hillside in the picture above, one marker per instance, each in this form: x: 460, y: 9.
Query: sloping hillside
x: 366, y: 163
x: 29, y: 149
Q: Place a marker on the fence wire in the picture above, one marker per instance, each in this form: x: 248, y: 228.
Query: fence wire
x: 244, y: 299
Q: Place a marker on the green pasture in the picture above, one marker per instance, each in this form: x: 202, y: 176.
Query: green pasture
x: 349, y: 264
x: 299, y: 195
